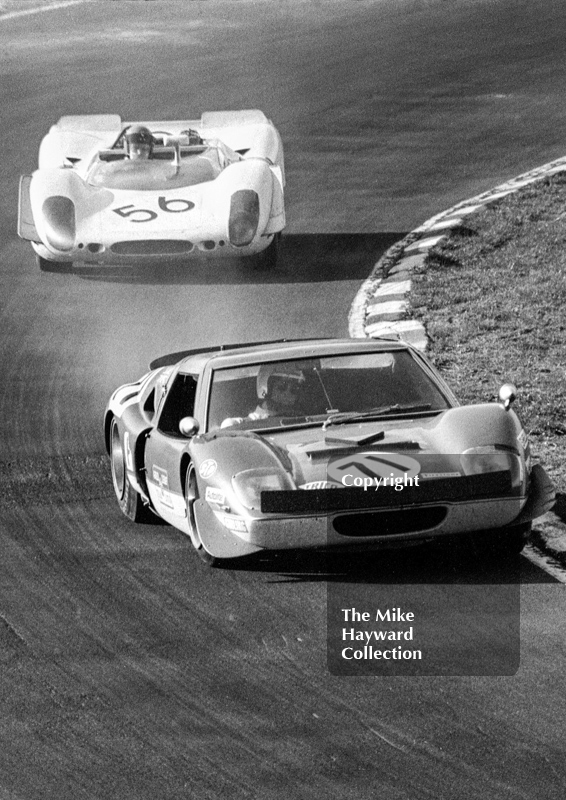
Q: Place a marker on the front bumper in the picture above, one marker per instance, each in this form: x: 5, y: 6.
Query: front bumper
x: 449, y: 512
x: 151, y: 251
x: 368, y: 528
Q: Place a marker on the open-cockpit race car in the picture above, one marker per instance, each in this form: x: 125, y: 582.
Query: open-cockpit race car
x: 113, y: 192
x: 319, y: 444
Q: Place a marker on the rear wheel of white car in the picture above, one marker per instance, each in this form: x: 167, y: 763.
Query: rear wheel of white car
x: 129, y: 500
x: 267, y: 259
x: 191, y: 496
x: 53, y: 266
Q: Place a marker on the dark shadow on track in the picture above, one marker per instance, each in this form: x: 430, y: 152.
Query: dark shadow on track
x: 303, y: 258
x: 422, y: 564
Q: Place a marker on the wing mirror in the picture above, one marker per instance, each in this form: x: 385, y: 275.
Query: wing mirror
x: 507, y: 395
x: 175, y: 143
x: 189, y: 426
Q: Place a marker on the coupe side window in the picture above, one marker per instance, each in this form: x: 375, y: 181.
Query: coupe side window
x: 179, y: 403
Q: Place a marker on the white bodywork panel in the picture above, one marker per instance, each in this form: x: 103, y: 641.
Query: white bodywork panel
x: 169, y: 210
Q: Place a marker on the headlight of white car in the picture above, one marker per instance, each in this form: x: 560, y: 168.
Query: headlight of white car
x: 249, y: 484
x: 60, y: 222
x: 244, y: 217
x: 491, y: 458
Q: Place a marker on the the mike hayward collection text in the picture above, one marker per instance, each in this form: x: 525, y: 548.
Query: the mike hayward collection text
x: 360, y: 644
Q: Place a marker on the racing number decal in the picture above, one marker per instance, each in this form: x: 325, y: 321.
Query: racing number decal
x: 124, y: 213
x: 165, y: 205
x: 170, y: 206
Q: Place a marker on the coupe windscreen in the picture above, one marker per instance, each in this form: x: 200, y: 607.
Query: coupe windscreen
x: 354, y: 384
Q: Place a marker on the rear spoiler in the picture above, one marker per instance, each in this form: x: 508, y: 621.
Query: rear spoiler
x: 173, y: 358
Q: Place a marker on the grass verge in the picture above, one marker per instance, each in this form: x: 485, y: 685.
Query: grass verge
x: 493, y: 300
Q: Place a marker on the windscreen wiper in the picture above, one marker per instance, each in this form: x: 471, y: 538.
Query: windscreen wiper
x: 343, y: 417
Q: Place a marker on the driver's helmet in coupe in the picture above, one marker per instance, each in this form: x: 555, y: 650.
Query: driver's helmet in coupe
x: 138, y: 142
x: 278, y: 377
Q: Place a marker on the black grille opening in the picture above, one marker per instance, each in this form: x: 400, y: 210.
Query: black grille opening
x: 388, y: 523
x: 152, y: 247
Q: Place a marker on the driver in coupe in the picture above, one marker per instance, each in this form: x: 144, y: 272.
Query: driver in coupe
x: 279, y: 390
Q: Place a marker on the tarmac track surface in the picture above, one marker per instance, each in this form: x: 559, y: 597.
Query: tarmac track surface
x: 128, y: 669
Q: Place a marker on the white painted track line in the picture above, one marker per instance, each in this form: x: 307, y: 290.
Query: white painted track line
x: 40, y: 9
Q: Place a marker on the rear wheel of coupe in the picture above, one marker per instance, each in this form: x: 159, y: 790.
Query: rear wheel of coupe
x: 191, y: 496
x: 53, y: 266
x: 129, y: 500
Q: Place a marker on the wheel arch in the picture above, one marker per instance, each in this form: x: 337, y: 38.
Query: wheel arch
x: 186, y: 461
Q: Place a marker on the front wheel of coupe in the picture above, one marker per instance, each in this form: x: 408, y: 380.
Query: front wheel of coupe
x: 503, y: 542
x: 129, y: 500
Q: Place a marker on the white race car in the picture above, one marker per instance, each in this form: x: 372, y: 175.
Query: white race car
x: 113, y: 192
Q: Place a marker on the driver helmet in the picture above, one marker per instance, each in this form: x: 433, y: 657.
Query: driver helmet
x: 138, y: 142
x: 193, y: 136
x: 268, y: 373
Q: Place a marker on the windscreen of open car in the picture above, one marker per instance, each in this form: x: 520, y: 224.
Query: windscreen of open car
x: 156, y: 173
x: 350, y: 383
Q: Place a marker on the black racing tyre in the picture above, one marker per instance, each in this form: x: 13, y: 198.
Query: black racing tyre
x: 191, y: 495
x: 267, y: 259
x: 504, y: 541
x: 129, y: 500
x: 53, y: 266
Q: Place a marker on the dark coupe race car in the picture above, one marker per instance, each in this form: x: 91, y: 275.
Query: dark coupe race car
x: 318, y: 444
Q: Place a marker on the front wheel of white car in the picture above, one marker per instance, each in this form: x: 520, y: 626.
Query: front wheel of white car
x: 267, y: 259
x: 191, y: 496
x: 45, y: 265
x: 130, y: 502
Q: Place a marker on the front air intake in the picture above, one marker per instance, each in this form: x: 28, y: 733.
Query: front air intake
x: 389, y: 523
x: 152, y: 247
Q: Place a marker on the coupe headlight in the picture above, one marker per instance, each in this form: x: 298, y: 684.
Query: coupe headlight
x: 244, y: 217
x: 491, y: 458
x: 249, y: 484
